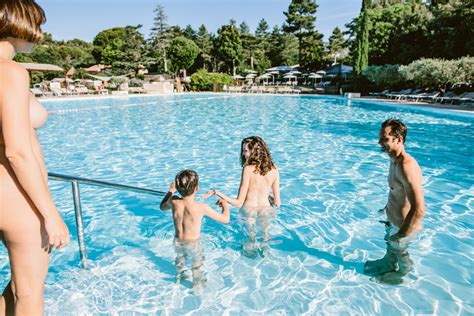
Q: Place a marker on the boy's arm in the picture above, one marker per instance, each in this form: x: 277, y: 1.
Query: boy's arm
x: 223, y: 217
x: 276, y: 190
x: 167, y: 202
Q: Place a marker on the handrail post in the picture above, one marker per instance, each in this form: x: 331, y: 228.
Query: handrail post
x: 79, y: 223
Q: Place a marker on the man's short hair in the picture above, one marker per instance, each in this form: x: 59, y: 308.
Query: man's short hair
x: 397, y: 128
x: 21, y: 19
x: 186, y: 182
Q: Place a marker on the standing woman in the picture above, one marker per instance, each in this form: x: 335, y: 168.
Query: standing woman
x: 30, y: 225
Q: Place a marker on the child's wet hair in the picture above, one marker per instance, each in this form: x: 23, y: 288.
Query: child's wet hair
x: 260, y: 155
x: 186, y: 182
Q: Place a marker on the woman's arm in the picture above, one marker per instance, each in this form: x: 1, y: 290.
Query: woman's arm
x: 276, y: 189
x: 16, y: 129
x: 244, y: 186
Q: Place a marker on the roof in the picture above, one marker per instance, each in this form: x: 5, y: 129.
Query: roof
x: 41, y: 67
x: 334, y: 69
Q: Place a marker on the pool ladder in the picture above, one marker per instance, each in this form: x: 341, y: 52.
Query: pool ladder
x: 75, y: 181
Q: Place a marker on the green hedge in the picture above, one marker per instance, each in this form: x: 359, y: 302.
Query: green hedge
x: 202, y: 80
x: 429, y: 73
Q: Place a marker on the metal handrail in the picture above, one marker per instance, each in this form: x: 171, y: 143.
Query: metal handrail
x: 75, y: 181
x: 122, y: 187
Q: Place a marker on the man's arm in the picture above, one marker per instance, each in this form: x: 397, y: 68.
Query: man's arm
x: 167, y: 202
x: 412, y: 182
x: 223, y: 217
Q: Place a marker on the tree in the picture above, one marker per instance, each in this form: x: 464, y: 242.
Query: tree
x: 283, y: 48
x: 204, y: 42
x: 249, y: 44
x: 121, y: 47
x: 262, y: 30
x: 361, y: 59
x: 386, y: 76
x: 244, y: 28
x: 337, y: 42
x: 182, y: 52
x: 228, y: 46
x: 452, y: 32
x: 160, y: 35
x: 189, y: 32
x: 300, y: 19
x: 311, y: 56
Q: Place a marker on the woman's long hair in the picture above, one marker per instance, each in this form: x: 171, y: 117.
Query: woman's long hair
x: 260, y: 156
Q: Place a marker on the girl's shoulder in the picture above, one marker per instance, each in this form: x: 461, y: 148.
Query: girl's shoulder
x: 249, y: 168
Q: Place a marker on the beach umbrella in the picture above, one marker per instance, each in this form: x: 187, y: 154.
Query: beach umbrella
x: 236, y: 77
x: 250, y: 76
x: 321, y: 72
x: 289, y: 77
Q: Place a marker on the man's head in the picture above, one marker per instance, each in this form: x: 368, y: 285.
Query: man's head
x: 187, y: 182
x: 392, y: 135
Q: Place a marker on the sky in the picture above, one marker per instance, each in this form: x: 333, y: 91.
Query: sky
x: 83, y: 19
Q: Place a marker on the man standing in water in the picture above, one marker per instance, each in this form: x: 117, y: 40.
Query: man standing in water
x: 405, y: 208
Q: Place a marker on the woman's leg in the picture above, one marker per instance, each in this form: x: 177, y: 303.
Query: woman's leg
x: 29, y: 263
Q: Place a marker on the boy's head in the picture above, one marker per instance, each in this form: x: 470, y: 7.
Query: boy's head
x: 187, y: 182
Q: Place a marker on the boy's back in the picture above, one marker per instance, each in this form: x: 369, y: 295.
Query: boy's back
x: 187, y: 219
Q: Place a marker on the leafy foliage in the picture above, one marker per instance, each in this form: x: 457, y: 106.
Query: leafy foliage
x: 202, y: 80
x: 182, y: 52
x: 228, y: 46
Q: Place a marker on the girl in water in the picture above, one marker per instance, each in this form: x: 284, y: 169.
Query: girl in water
x: 259, y: 175
x: 30, y: 224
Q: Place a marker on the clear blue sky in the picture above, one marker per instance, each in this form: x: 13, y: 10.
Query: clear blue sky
x: 83, y: 19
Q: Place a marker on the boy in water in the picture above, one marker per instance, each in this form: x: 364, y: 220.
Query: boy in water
x: 187, y: 218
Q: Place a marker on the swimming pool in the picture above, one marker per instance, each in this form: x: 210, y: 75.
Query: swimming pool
x: 333, y: 182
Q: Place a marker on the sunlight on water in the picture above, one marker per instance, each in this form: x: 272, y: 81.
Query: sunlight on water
x: 333, y: 180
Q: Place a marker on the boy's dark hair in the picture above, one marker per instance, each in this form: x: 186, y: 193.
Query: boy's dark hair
x: 21, y: 19
x: 186, y: 182
x: 397, y: 128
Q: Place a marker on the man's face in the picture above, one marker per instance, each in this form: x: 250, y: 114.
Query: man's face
x: 388, y: 142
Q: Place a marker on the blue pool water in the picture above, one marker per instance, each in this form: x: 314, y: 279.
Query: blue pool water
x: 333, y: 181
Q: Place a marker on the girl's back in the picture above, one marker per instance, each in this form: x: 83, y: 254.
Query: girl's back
x: 259, y: 186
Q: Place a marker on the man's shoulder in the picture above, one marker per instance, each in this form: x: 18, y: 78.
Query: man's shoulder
x: 409, y: 166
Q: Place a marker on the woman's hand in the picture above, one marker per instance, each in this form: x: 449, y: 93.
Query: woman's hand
x: 57, y: 231
x: 209, y: 194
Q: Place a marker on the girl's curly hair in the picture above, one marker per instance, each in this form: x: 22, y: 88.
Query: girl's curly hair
x: 260, y: 155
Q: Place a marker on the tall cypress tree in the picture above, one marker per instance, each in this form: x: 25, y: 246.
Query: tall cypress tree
x: 361, y: 59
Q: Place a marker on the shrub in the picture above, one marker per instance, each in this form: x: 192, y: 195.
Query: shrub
x: 203, y: 80
x: 386, y: 76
